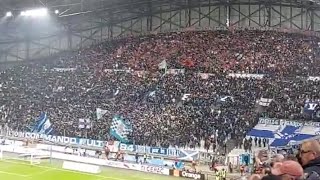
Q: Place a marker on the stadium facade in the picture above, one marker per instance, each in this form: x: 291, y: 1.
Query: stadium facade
x: 79, y: 23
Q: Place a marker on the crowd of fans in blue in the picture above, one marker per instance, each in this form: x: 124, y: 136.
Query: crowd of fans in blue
x: 167, y: 108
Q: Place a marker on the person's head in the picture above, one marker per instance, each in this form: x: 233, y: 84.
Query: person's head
x: 291, y: 157
x: 309, y: 151
x: 267, y: 170
x: 278, y: 158
x: 288, y: 170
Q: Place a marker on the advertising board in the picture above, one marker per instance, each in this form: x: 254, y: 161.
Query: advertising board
x: 191, y: 175
x: 155, y: 169
x: 186, y: 174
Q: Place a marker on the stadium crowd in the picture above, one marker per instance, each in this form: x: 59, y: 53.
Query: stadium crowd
x: 175, y: 107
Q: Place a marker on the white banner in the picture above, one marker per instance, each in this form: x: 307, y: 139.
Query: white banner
x: 246, y: 76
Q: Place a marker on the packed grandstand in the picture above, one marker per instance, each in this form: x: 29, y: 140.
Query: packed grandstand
x: 193, y: 102
x: 177, y: 108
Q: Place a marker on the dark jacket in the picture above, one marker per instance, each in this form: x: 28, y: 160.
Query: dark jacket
x: 312, y: 169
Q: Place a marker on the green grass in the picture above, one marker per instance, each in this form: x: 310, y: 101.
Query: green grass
x: 19, y: 170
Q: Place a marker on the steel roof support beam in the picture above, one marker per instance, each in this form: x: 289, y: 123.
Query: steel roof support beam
x: 7, y: 52
x: 288, y: 19
x: 128, y: 28
x: 45, y: 46
x: 247, y: 17
x: 208, y: 16
x: 167, y: 21
x: 137, y: 16
x: 311, y: 24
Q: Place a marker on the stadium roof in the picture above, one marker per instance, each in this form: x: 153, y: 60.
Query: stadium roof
x: 74, y: 6
x: 90, y: 9
x: 71, y: 8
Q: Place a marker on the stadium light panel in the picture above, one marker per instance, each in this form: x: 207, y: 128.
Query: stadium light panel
x: 35, y: 12
x: 56, y: 11
x: 9, y: 14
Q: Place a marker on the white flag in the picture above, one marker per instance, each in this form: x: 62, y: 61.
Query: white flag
x: 100, y: 112
x: 265, y: 102
x: 116, y: 93
x: 85, y: 124
x: 163, y: 65
x: 185, y: 97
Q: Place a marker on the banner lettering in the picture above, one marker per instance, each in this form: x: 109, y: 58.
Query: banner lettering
x: 271, y: 121
x: 170, y: 152
x: 58, y: 139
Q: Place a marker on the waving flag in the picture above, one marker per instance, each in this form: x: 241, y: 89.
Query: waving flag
x: 43, y: 125
x: 120, y: 129
x: 100, y: 113
x: 85, y: 123
x: 163, y: 65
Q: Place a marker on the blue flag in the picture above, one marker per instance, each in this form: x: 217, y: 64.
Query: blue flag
x: 120, y: 129
x: 43, y: 125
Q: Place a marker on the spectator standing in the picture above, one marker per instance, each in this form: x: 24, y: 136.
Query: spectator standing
x: 137, y: 158
x: 255, y: 141
x: 145, y: 158
x: 309, y: 157
x: 264, y: 141
x: 259, y: 142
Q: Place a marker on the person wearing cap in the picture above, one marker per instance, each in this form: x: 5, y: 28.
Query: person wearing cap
x: 309, y: 158
x: 288, y: 170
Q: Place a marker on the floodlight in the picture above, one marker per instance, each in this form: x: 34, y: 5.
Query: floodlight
x: 9, y: 14
x: 40, y: 12
x: 35, y: 12
x: 56, y: 11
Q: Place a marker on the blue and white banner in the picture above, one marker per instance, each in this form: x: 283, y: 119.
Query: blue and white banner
x: 181, y: 154
x: 282, y: 132
x: 58, y: 139
x: 43, y: 125
x: 120, y: 129
x: 178, y: 153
